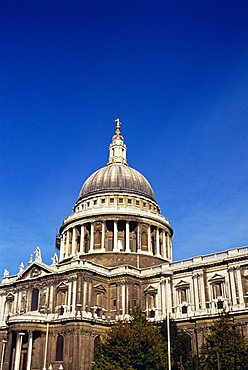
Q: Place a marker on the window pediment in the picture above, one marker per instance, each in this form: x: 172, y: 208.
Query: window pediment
x: 216, y: 278
x: 99, y: 288
x: 150, y: 290
x: 63, y: 286
x: 182, y: 284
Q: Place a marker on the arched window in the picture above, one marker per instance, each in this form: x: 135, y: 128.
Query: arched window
x: 35, y: 299
x: 9, y: 304
x: 59, y: 348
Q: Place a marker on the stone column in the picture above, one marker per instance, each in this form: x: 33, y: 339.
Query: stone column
x: 196, y: 292
x: 157, y: 242
x: 168, y: 246
x: 47, y: 296
x: 4, y: 341
x: 232, y: 283
x: 15, y: 304
x: 1, y: 305
x: 128, y: 237
x: 30, y: 348
x: 115, y: 249
x: 82, y: 249
x: 123, y: 298
x: 168, y: 295
x: 51, y: 299
x: 73, y: 247
x: 62, y: 247
x: 138, y: 238
x: 19, y: 301
x: 240, y: 288
x: 85, y: 295
x: 103, y: 237
x: 149, y: 239
x: 127, y: 299
x: 164, y: 245
x: 162, y: 295
x: 18, y: 350
x: 8, y: 352
x: 91, y: 238
x: 69, y: 297
x: 67, y: 243
x: 202, y: 290
x: 74, y: 295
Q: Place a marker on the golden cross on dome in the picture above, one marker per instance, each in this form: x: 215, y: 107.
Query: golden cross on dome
x: 118, y: 125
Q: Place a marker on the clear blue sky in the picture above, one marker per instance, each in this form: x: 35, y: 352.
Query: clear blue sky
x: 175, y: 72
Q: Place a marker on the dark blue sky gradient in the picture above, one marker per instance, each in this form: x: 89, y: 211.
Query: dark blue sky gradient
x: 175, y: 72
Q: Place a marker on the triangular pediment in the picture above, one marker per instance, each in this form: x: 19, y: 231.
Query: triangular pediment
x: 182, y: 283
x: 100, y: 288
x: 62, y: 286
x: 216, y: 277
x: 150, y: 289
x: 35, y: 269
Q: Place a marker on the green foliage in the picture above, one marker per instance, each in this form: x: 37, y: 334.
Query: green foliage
x: 181, y: 354
x: 225, y: 348
x: 133, y: 345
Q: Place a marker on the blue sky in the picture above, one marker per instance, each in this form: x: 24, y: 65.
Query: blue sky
x: 176, y: 74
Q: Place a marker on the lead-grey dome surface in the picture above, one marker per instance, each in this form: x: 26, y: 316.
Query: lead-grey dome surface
x: 119, y: 178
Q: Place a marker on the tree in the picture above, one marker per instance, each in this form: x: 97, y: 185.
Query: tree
x: 225, y: 347
x: 135, y: 344
x: 181, y: 354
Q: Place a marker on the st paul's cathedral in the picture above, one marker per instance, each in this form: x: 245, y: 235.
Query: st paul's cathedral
x: 115, y: 254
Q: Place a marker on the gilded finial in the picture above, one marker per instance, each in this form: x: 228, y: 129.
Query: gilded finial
x: 118, y: 126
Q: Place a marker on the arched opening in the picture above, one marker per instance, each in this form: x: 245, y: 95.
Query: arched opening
x: 59, y: 348
x: 97, y: 342
x: 35, y: 299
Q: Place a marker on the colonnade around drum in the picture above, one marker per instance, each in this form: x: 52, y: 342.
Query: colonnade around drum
x: 116, y: 236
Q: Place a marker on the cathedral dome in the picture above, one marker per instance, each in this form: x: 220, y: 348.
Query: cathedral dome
x: 117, y: 177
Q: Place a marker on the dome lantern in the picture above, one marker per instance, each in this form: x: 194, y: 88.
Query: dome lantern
x: 117, y: 149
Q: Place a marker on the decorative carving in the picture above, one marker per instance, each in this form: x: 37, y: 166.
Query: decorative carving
x: 38, y: 255
x: 21, y: 268
x: 6, y: 273
x: 55, y: 259
x: 35, y: 272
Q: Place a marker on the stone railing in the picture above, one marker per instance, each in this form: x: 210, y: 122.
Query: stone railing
x: 115, y: 211
x: 210, y: 257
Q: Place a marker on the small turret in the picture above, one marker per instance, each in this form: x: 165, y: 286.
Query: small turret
x: 117, y: 149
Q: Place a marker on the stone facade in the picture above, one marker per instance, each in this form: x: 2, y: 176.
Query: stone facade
x: 115, y: 254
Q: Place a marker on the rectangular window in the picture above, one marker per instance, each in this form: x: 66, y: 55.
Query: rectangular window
x: 129, y: 201
x: 103, y: 201
x: 120, y: 200
x: 114, y: 303
x: 112, y: 200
